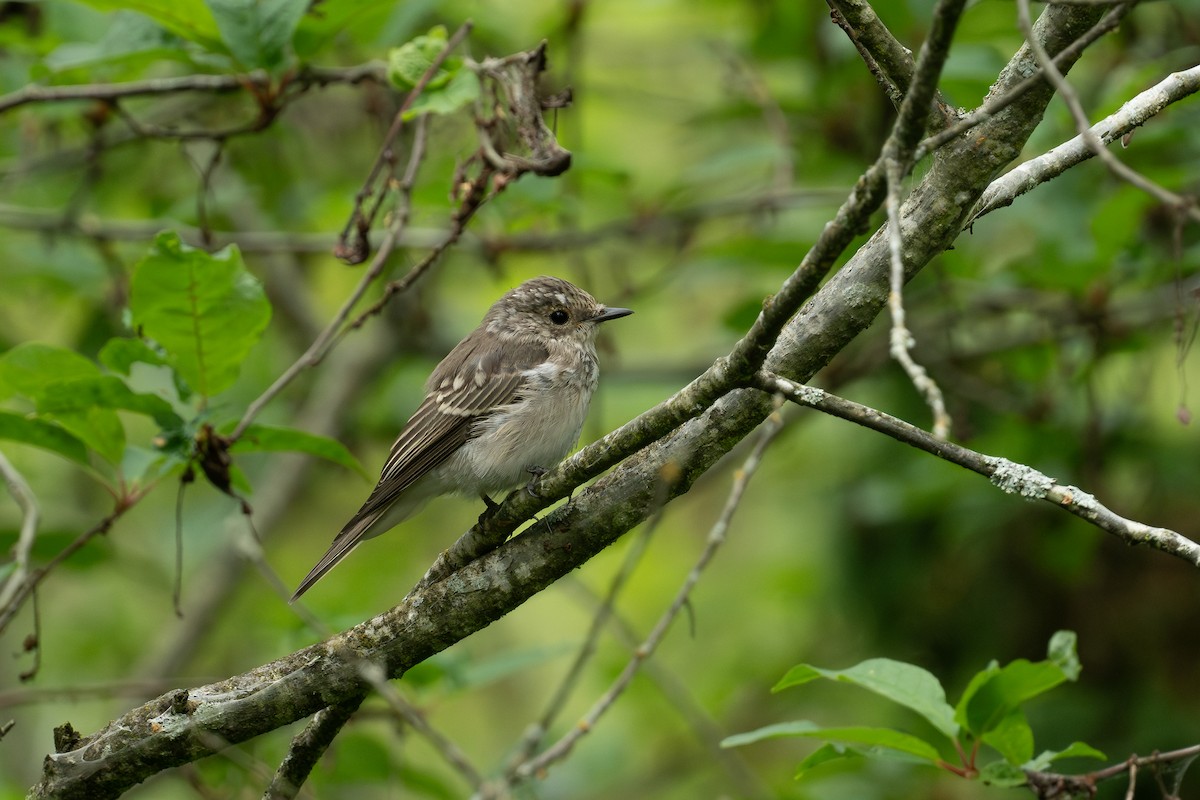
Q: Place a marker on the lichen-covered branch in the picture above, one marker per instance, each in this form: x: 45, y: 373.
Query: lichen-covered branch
x: 1006, y: 475
x: 1054, y: 162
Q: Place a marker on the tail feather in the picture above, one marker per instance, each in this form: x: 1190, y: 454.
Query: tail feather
x: 343, y: 544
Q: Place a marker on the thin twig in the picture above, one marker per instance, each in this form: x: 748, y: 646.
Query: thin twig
x: 329, y: 336
x: 375, y: 71
x: 357, y: 253
x: 27, y: 502
x: 716, y: 537
x: 409, y: 714
x: 1008, y: 476
x: 1054, y: 162
x: 537, y: 731
x: 1114, y: 164
x: 26, y: 588
x: 1057, y: 784
x: 995, y: 104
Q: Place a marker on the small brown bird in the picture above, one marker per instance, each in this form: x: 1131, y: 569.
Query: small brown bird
x: 508, y: 400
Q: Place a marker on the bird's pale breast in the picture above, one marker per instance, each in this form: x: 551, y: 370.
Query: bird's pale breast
x: 537, y: 430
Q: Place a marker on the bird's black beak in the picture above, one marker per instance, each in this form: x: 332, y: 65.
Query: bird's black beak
x: 612, y: 313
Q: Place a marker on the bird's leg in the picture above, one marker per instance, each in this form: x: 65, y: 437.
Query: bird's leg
x: 491, y: 504
x: 536, y: 474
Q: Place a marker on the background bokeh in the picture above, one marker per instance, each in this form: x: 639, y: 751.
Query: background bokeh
x: 711, y: 142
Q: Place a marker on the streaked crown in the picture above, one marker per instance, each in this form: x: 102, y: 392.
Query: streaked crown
x: 549, y: 308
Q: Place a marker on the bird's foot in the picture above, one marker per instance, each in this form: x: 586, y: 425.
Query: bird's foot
x: 536, y: 474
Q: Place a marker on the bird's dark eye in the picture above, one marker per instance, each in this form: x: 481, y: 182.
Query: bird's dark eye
x: 559, y: 317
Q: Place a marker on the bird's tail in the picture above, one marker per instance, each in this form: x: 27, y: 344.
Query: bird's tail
x: 343, y: 544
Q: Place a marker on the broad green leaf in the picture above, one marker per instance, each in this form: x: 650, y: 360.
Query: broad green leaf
x: 46, y: 435
x: 902, y: 683
x: 28, y: 368
x: 1061, y: 651
x: 98, y: 428
x: 826, y: 753
x: 106, y: 391
x: 316, y: 31
x: 121, y: 354
x: 408, y: 62
x: 189, y: 19
x: 274, y: 438
x: 989, y: 700
x: 885, y: 738
x: 130, y: 38
x: 206, y: 311
x: 1002, y: 774
x: 258, y: 32
x: 462, y: 90
x: 1011, y: 737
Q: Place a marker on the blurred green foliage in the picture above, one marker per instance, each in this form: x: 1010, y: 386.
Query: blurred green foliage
x: 711, y: 141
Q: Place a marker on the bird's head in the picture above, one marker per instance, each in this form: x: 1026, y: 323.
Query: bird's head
x: 549, y: 309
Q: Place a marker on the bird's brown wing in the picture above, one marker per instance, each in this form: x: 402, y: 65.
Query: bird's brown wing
x: 470, y: 383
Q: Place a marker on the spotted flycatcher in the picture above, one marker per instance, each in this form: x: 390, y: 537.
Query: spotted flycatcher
x: 509, y: 400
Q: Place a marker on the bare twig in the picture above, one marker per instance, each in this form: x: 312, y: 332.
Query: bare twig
x: 534, y: 734
x: 1134, y: 113
x: 27, y: 502
x: 358, y: 222
x: 1009, y: 476
x: 1055, y: 784
x: 1114, y: 164
x: 901, y: 339
x: 411, y: 716
x: 375, y: 71
x: 716, y: 537
x: 998, y: 102
x: 329, y: 336
x: 25, y: 588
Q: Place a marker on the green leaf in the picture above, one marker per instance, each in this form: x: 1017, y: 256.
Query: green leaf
x: 1011, y: 737
x: 317, y: 30
x: 130, y: 38
x: 46, y: 435
x: 885, y: 738
x: 826, y: 753
x: 98, y: 428
x: 121, y: 354
x: 206, y: 311
x: 28, y: 368
x: 902, y: 683
x: 408, y: 62
x: 275, y: 438
x: 144, y: 466
x: 1002, y: 774
x: 258, y: 32
x: 990, y: 699
x: 106, y: 391
x: 462, y: 90
x: 1073, y: 750
x: 189, y: 19
x: 1061, y: 651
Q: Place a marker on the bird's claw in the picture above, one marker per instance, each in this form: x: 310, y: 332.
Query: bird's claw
x: 536, y: 474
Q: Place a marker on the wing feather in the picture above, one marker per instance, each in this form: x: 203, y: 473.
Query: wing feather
x: 471, y: 382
